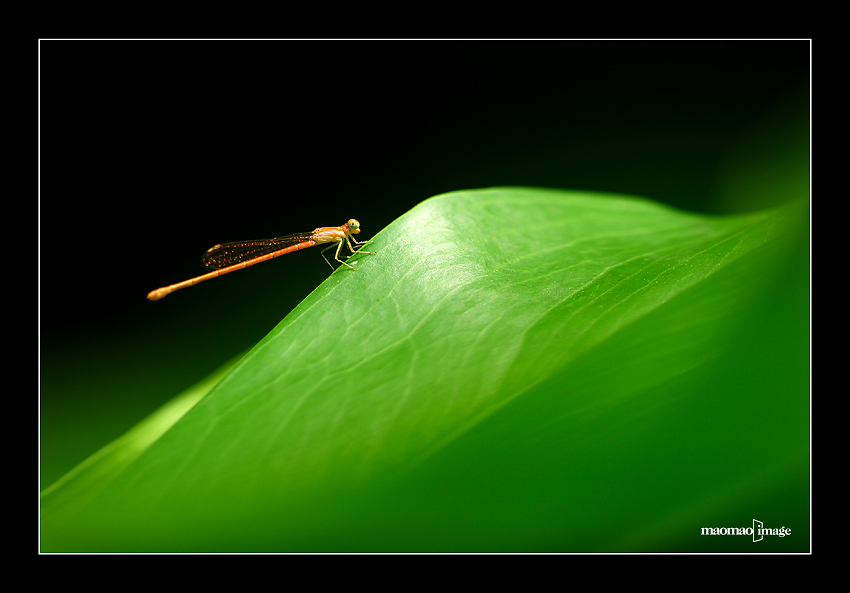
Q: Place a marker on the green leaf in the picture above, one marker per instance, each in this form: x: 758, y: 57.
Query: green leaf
x: 483, y: 381
x: 79, y: 487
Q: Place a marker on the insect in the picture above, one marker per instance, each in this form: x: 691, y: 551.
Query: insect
x: 229, y: 257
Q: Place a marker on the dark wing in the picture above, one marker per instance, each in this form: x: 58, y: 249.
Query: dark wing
x: 227, y: 254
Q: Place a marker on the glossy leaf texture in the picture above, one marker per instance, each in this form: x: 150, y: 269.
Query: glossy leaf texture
x: 513, y: 369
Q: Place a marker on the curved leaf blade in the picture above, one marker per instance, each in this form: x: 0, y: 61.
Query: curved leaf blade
x: 471, y: 302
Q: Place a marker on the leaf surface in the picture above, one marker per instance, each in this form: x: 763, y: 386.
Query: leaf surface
x: 488, y: 324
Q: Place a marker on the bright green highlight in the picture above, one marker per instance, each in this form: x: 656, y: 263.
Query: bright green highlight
x: 513, y: 369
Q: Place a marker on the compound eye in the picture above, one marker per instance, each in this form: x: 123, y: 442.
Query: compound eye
x: 353, y: 224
